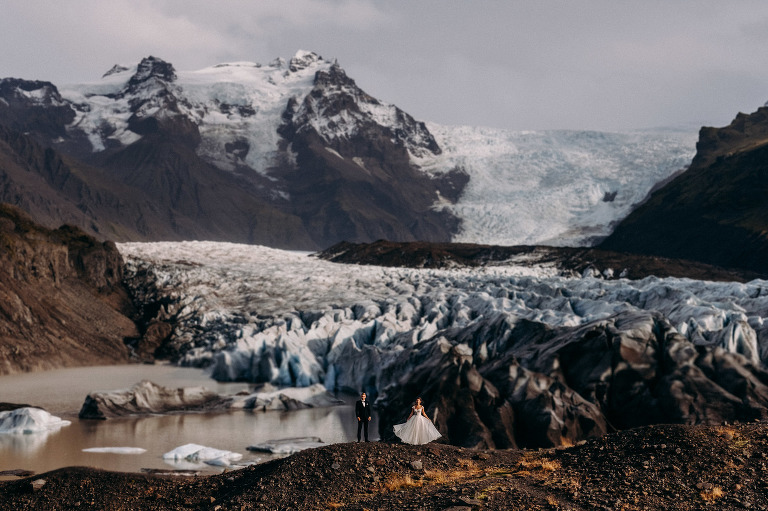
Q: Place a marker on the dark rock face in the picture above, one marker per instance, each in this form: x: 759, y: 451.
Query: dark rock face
x: 34, y: 106
x: 62, y: 301
x: 568, y: 260
x: 152, y: 67
x: 365, y: 187
x: 716, y: 211
x: 504, y: 383
x: 56, y: 190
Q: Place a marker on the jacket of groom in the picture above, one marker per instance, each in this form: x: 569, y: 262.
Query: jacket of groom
x: 363, y: 414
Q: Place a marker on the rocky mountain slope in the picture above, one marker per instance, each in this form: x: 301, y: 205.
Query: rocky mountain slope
x: 292, y: 154
x: 62, y: 299
x: 715, y: 212
x: 654, y: 468
x: 295, y: 154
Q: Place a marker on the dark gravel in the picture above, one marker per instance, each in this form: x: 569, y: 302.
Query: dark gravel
x: 657, y: 467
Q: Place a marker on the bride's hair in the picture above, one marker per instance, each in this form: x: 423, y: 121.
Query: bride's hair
x: 419, y: 399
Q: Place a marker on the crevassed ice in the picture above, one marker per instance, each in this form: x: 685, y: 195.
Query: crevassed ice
x: 558, y: 188
x: 262, y: 314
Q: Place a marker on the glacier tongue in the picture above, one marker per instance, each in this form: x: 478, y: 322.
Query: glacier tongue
x: 267, y: 315
x: 507, y: 355
x: 562, y: 188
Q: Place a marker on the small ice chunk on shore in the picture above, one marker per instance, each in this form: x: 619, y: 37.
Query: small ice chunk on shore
x: 199, y: 453
x: 288, y: 445
x: 116, y: 450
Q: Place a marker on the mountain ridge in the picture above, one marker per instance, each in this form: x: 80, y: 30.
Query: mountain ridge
x: 293, y: 154
x: 194, y: 177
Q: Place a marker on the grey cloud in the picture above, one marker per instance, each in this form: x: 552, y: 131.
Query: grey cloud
x: 593, y: 64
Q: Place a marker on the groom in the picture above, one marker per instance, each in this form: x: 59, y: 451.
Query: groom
x: 363, y: 412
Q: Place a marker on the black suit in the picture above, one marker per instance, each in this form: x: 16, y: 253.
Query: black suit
x: 363, y: 413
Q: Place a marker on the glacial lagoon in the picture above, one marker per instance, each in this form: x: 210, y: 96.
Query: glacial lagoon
x: 62, y: 392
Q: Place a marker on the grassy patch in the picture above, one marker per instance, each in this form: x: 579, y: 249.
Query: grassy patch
x: 465, y: 469
x: 712, y: 495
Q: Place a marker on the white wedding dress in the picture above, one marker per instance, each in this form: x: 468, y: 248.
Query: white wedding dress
x: 417, y: 430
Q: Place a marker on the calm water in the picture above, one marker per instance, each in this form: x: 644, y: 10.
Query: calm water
x: 62, y: 392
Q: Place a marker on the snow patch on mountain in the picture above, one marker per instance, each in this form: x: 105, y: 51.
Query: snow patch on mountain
x: 234, y: 102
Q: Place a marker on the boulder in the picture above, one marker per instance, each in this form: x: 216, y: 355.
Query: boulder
x: 146, y: 397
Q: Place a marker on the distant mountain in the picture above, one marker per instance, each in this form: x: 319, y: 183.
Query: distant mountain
x: 294, y: 154
x: 717, y: 211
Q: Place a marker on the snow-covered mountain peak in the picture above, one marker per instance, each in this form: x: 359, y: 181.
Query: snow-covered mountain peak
x: 245, y: 105
x: 278, y: 63
x: 30, y: 92
x: 153, y: 67
x: 339, y: 111
x: 304, y: 59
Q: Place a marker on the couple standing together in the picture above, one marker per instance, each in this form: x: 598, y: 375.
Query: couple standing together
x: 417, y: 429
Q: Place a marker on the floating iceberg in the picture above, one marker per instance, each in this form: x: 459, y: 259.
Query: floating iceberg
x: 291, y: 398
x: 147, y: 397
x: 196, y: 454
x: 30, y: 420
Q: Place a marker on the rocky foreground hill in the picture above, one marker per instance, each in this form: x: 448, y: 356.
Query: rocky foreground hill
x: 62, y: 299
x: 650, y: 468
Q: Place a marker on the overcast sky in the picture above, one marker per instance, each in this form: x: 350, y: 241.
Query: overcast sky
x: 518, y: 64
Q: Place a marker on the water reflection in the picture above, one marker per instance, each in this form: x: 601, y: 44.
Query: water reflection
x: 233, y: 431
x: 24, y: 443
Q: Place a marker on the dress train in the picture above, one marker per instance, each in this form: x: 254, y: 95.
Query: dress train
x: 417, y: 430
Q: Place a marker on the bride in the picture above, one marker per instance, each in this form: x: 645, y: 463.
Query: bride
x: 418, y: 429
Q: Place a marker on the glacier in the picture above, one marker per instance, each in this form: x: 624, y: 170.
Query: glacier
x: 509, y: 355
x: 556, y: 188
x: 266, y: 315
